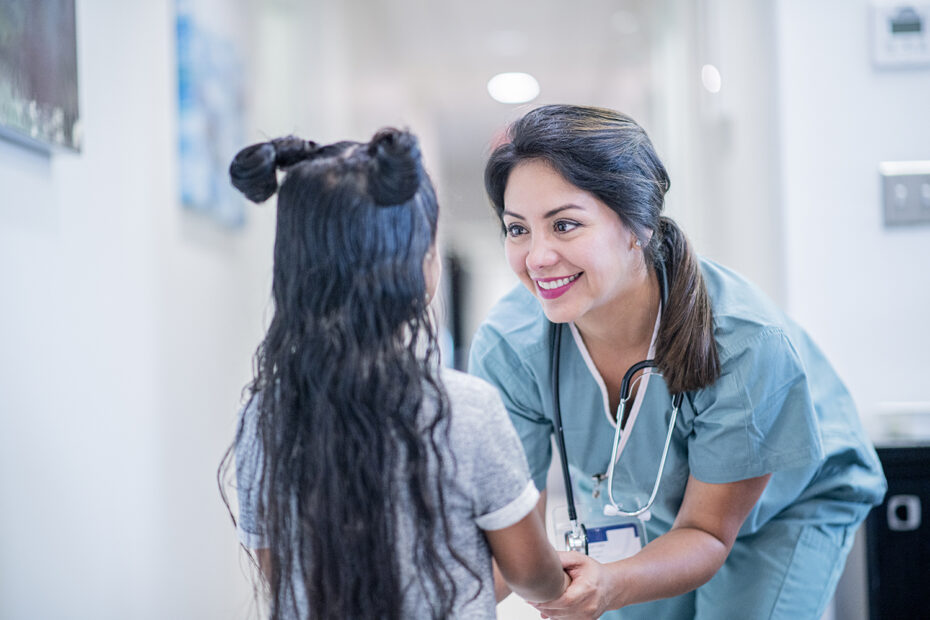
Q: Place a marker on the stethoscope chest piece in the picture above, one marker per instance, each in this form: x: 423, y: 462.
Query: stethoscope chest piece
x: 576, y: 539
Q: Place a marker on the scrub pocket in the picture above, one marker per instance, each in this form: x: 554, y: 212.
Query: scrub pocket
x: 788, y: 570
x: 816, y: 566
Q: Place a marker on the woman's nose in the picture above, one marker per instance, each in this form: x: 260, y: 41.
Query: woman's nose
x: 542, y: 254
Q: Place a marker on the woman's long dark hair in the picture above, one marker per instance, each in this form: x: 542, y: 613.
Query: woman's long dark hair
x: 350, y: 411
x: 607, y: 154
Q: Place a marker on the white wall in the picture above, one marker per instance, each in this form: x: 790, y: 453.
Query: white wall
x: 721, y: 149
x: 863, y: 290
x: 127, y: 328
x: 777, y: 175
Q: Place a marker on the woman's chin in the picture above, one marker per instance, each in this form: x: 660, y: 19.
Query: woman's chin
x: 556, y: 314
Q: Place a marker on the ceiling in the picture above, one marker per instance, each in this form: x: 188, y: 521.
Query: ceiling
x: 436, y: 57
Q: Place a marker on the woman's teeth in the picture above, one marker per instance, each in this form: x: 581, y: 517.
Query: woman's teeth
x: 548, y: 286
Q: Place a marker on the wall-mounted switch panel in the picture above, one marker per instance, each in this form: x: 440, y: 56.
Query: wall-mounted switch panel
x: 906, y: 192
x: 900, y: 33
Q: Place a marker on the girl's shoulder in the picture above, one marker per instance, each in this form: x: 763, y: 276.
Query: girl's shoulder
x: 513, y: 338
x: 468, y: 395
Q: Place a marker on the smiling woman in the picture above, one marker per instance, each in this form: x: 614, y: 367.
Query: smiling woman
x: 556, y: 241
x: 767, y: 470
x: 597, y: 169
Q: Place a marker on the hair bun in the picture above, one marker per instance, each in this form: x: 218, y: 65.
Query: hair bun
x: 291, y: 150
x: 253, y: 170
x: 394, y: 175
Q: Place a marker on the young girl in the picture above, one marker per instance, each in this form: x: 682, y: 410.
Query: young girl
x: 371, y: 483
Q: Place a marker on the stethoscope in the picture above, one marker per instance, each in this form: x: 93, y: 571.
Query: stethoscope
x: 577, y: 538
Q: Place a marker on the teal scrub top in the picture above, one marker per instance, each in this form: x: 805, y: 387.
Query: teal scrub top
x: 778, y: 408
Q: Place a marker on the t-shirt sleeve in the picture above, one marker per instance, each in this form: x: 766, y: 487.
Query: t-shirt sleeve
x: 502, y: 492
x: 491, y: 360
x: 249, y: 459
x: 759, y: 417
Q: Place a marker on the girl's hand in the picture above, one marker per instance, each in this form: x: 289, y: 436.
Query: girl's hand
x: 586, y: 597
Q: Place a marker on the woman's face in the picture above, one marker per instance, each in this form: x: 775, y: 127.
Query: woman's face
x: 566, y: 246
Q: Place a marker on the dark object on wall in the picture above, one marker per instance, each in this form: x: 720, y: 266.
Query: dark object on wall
x: 456, y: 310
x: 38, y: 73
x: 898, y: 537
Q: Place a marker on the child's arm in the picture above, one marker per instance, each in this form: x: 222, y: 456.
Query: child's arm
x: 526, y: 560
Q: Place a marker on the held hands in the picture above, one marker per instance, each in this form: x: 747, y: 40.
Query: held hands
x: 586, y: 596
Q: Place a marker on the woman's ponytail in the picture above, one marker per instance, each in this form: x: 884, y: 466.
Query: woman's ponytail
x: 686, y: 351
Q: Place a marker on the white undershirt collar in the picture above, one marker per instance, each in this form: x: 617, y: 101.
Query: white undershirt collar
x: 644, y: 382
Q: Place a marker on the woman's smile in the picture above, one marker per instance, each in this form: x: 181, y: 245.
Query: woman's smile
x: 551, y: 288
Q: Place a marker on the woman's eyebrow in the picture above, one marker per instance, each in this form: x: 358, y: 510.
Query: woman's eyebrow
x: 558, y: 210
x: 548, y: 214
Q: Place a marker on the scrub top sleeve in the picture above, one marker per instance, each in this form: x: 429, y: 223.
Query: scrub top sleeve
x: 503, y: 492
x: 249, y: 458
x: 491, y: 360
x: 759, y: 417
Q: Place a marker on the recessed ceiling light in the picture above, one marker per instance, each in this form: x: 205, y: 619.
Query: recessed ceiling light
x: 513, y: 87
x: 710, y: 77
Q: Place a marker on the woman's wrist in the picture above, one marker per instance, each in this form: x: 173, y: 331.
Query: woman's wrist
x: 617, y: 590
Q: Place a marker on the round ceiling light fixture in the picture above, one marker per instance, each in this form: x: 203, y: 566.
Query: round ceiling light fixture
x: 513, y: 87
x: 710, y: 77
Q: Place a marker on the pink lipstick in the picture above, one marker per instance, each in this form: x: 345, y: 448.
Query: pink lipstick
x: 551, y: 288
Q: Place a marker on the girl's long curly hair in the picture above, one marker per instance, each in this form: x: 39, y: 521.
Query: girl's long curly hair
x: 349, y: 411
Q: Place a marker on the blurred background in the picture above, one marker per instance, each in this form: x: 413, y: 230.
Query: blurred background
x: 132, y: 301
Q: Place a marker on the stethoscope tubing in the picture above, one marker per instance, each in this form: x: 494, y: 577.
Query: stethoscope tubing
x: 560, y: 433
x: 613, y: 509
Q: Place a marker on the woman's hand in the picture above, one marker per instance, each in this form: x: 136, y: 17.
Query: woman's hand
x: 587, y: 595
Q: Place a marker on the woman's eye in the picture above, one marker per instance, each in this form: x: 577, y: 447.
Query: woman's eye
x: 515, y: 230
x: 565, y: 225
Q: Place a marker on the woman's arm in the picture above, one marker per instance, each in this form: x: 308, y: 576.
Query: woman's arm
x: 526, y: 560
x: 686, y: 557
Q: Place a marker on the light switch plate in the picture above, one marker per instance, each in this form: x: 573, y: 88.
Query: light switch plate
x: 905, y: 192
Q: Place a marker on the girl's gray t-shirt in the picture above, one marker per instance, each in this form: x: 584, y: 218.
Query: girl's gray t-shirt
x: 488, y: 488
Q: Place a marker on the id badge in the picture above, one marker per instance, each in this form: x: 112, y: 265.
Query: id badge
x: 609, y: 538
x: 615, y: 541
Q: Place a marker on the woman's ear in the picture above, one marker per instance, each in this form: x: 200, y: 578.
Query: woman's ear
x: 645, y: 240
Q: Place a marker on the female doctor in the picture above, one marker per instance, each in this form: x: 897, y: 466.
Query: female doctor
x: 767, y: 471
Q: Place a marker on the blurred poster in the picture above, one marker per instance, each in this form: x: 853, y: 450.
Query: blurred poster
x: 38, y: 73
x: 210, y: 110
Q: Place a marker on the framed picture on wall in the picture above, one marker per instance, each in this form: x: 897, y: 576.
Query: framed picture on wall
x: 38, y: 74
x: 210, y: 109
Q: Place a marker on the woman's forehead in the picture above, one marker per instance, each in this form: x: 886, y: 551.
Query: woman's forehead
x: 536, y: 185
